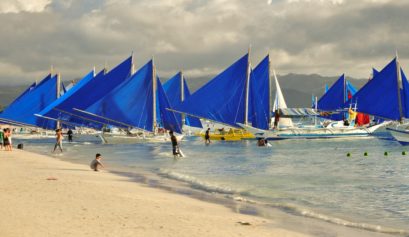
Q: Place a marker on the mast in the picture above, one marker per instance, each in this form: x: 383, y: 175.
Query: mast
x: 182, y: 87
x: 343, y: 96
x: 58, y: 94
x: 182, y: 93
x: 105, y: 67
x: 154, y: 95
x: 133, y: 64
x: 246, y: 108
x: 270, y: 92
x: 399, y: 78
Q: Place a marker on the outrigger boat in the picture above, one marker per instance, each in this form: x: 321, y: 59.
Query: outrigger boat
x: 119, y: 98
x: 333, y: 99
x: 237, y: 95
x: 144, y: 111
x: 232, y: 134
x: 20, y: 113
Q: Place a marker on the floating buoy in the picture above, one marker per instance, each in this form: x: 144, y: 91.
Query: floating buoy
x: 404, y: 153
x: 365, y: 153
x: 385, y: 153
x: 348, y: 154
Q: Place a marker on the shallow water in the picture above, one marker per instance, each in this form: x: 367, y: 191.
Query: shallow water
x: 313, y: 178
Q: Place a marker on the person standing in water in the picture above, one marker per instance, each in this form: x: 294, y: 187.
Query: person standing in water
x: 69, y: 133
x: 207, y: 136
x: 59, y: 137
x: 175, y: 147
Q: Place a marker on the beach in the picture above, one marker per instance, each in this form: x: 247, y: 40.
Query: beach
x: 44, y: 196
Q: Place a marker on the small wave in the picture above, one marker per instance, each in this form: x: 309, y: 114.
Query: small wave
x: 300, y: 211
x: 165, y: 154
x: 334, y: 220
x: 195, y: 183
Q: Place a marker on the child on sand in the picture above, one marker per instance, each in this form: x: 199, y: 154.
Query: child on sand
x: 97, y: 162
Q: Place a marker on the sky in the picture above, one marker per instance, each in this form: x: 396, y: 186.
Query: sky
x: 327, y: 37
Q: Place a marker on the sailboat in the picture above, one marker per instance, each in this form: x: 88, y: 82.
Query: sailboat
x: 35, y: 98
x: 177, y: 90
x: 279, y: 103
x: 83, y: 94
x: 332, y: 100
x: 392, y: 84
x: 138, y: 106
x: 223, y: 100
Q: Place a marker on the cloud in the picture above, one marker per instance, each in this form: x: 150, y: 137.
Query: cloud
x: 17, y: 6
x: 202, y: 37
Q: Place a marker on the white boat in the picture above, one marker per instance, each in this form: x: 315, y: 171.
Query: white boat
x: 332, y: 130
x: 109, y: 138
x: 400, y: 135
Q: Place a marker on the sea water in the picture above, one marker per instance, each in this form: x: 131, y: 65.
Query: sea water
x: 313, y: 178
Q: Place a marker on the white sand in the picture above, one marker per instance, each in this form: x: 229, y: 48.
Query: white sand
x: 82, y: 202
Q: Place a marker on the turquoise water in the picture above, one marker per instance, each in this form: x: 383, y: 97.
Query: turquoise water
x: 312, y: 178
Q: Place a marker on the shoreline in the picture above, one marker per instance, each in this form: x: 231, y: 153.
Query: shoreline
x: 42, y: 196
x: 225, y: 211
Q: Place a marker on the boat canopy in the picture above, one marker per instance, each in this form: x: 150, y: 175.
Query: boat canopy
x: 297, y: 112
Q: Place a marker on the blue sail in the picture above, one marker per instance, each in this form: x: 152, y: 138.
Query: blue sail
x: 189, y: 120
x: 32, y: 101
x: 172, y: 89
x: 379, y: 96
x: 350, y: 90
x: 168, y: 119
x: 87, y: 92
x: 131, y: 102
x: 333, y: 99
x: 30, y: 88
x: 66, y: 101
x: 374, y: 72
x: 260, y: 95
x: 223, y: 98
x: 405, y: 95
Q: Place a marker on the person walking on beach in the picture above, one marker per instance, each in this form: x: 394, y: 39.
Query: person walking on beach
x: 59, y: 137
x: 207, y: 136
x: 175, y: 147
x: 96, y: 163
x: 69, y: 133
x: 7, y: 139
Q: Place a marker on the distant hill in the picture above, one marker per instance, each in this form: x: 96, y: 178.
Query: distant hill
x: 297, y: 88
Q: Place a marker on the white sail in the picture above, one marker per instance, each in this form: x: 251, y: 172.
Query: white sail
x: 279, y: 103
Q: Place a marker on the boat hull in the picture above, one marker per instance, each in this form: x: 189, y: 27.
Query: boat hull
x: 400, y: 135
x: 313, y: 133
x: 125, y: 139
x: 231, y: 135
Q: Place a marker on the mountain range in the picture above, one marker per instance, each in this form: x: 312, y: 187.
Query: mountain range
x: 297, y: 88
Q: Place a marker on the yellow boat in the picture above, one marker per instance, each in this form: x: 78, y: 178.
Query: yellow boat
x: 233, y: 134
